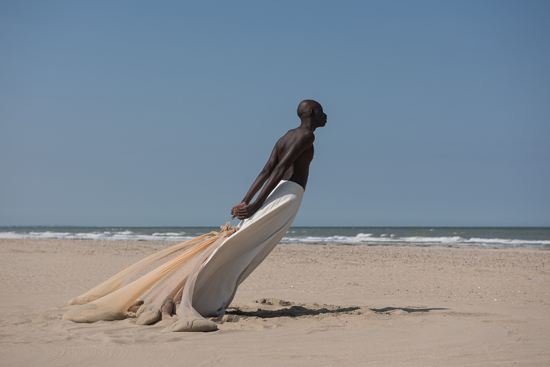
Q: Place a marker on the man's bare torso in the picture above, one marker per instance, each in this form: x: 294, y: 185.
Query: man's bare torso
x: 299, y: 171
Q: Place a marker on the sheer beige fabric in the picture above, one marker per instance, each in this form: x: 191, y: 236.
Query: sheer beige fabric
x: 123, y: 278
x: 114, y: 305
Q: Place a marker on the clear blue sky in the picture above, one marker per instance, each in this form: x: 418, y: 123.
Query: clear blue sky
x: 163, y: 113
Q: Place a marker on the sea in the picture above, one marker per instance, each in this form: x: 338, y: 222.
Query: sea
x: 534, y: 237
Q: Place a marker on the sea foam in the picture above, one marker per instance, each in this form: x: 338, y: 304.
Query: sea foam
x: 312, y: 235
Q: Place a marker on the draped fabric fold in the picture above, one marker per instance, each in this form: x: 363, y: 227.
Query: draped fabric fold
x: 240, y: 254
x: 202, y: 280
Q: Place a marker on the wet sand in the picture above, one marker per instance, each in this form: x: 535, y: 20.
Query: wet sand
x: 322, y: 305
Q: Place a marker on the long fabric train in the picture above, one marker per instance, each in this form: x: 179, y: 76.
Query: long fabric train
x: 206, y: 275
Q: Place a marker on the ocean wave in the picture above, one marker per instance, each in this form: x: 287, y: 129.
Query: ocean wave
x: 168, y: 234
x: 364, y: 239
x: 358, y: 239
x: 106, y: 235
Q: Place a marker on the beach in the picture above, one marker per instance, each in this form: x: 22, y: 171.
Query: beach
x: 307, y: 304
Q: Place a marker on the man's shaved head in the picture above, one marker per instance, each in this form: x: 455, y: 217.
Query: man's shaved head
x: 306, y: 107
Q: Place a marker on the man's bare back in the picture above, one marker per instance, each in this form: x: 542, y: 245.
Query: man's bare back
x: 299, y: 170
x: 290, y: 159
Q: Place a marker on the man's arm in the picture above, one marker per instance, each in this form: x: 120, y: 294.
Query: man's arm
x: 302, y: 143
x: 258, y: 183
x: 262, y: 177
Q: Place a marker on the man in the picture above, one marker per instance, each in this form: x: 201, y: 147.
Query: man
x: 289, y: 159
x: 206, y: 283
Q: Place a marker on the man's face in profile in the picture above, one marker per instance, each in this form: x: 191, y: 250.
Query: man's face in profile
x: 320, y: 116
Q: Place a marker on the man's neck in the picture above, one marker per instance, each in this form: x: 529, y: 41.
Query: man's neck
x: 308, y: 124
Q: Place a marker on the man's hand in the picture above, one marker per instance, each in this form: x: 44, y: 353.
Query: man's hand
x: 235, y: 210
x: 243, y: 211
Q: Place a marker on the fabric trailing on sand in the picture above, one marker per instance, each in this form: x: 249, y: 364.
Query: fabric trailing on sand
x: 202, y: 280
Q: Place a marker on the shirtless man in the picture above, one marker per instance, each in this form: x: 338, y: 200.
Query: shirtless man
x: 219, y: 268
x: 289, y: 159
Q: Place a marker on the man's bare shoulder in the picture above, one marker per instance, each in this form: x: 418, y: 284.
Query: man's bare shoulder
x: 301, y: 136
x: 295, y: 139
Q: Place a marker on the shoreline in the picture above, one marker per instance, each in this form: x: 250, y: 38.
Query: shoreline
x: 171, y: 243
x: 505, y: 237
x: 323, y: 304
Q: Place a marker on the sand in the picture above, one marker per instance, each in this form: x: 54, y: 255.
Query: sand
x: 306, y: 305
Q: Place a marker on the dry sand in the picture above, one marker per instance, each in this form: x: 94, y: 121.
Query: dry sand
x: 306, y: 305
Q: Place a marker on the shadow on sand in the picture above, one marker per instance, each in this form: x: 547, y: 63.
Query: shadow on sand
x: 271, y: 307
x: 294, y: 311
x: 390, y: 310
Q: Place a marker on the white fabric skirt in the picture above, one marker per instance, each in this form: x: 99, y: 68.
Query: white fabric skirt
x: 232, y: 262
